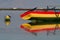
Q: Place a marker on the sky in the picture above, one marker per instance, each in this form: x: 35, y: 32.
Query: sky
x: 13, y: 31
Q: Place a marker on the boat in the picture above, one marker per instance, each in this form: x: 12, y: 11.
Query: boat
x: 41, y: 20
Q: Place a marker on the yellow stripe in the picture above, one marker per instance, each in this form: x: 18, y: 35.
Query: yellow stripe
x: 43, y: 15
x: 38, y: 15
x: 27, y: 17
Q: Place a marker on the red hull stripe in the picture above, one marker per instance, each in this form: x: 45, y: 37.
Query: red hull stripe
x: 38, y: 12
x: 26, y: 13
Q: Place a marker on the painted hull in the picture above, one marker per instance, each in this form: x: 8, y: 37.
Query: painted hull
x: 41, y: 20
x: 42, y: 14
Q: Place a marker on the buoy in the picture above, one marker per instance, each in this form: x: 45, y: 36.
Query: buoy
x: 7, y: 20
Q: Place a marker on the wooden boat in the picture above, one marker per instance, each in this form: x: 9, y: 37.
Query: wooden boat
x: 41, y: 20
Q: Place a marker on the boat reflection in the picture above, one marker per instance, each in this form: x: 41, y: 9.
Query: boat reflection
x: 38, y: 28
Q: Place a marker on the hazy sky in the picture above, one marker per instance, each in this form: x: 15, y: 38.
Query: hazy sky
x: 28, y: 3
x: 13, y: 31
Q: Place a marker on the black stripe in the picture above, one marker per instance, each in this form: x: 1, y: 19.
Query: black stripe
x: 42, y: 21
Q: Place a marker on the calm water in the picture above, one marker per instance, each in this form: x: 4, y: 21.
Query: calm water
x: 14, y: 32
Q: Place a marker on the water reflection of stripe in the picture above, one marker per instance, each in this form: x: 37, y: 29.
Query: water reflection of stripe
x: 37, y: 28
